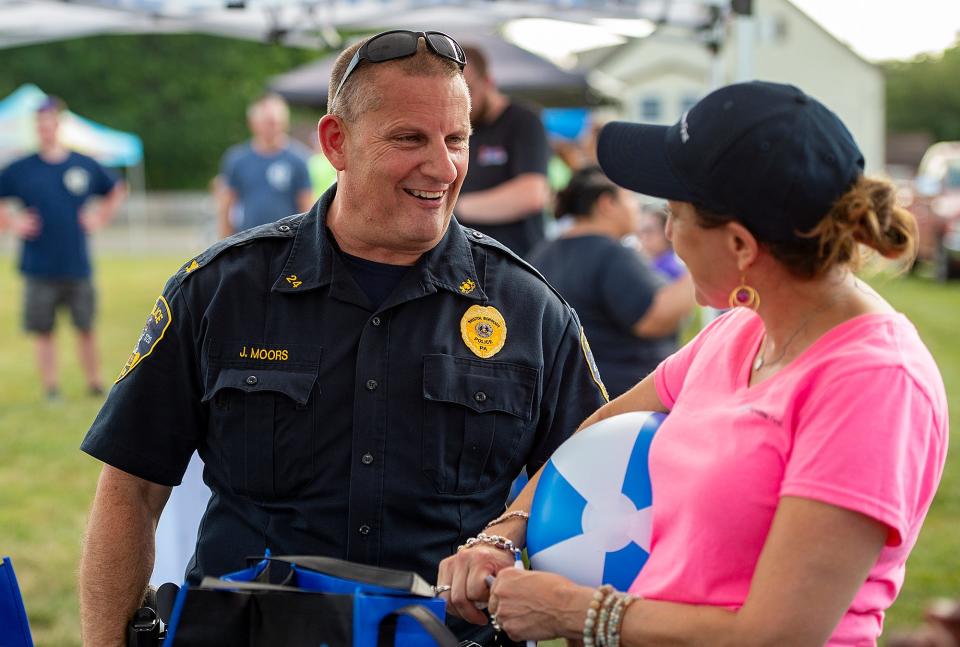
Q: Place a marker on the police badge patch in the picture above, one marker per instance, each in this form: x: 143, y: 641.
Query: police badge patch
x: 484, y: 330
x: 150, y: 336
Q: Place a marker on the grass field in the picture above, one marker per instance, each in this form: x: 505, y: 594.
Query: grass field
x: 46, y: 483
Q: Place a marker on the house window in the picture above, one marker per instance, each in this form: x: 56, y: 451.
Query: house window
x: 651, y: 109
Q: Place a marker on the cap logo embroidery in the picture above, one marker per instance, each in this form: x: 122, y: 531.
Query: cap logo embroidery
x: 684, y: 131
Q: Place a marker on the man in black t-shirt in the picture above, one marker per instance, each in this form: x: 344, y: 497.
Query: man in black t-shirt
x: 506, y: 188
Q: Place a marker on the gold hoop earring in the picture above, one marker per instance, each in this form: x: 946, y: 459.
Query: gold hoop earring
x: 744, y: 296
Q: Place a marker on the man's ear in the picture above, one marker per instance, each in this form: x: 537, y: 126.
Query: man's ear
x: 332, y: 133
x: 743, y: 244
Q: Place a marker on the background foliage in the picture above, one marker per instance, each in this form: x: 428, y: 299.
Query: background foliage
x: 923, y: 95
x: 185, y: 95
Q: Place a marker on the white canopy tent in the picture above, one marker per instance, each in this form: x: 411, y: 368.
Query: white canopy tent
x: 315, y: 22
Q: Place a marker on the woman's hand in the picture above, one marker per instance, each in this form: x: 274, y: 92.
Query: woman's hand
x: 466, y: 572
x: 530, y: 605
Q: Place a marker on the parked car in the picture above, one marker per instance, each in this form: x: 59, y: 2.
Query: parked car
x: 934, y: 200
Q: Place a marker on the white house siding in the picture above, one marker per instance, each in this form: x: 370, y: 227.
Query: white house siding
x: 788, y: 47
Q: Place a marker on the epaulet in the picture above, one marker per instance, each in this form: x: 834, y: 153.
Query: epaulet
x: 479, y: 238
x: 283, y: 228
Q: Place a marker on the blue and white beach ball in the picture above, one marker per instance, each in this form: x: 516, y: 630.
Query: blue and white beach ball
x: 591, y: 513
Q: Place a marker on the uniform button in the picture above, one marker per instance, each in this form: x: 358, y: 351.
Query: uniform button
x: 364, y: 529
x: 372, y: 385
x: 366, y: 459
x: 284, y: 228
x: 477, y: 234
x: 376, y: 321
x: 480, y: 396
x: 251, y: 380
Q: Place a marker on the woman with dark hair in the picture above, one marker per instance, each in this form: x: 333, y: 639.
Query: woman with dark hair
x: 808, y: 425
x: 631, y: 316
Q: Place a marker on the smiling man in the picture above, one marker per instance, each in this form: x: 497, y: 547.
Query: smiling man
x: 363, y: 381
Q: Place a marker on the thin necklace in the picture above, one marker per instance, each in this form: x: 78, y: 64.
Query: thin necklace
x: 759, y: 361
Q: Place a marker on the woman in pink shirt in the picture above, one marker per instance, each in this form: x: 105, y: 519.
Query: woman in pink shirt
x: 808, y: 425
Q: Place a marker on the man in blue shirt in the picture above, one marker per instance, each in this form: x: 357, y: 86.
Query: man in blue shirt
x: 54, y: 186
x: 266, y: 178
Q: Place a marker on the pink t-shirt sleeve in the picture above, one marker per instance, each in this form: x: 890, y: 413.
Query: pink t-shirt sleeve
x: 668, y: 377
x: 864, y: 442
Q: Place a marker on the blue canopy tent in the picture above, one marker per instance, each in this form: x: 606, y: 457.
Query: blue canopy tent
x: 110, y: 147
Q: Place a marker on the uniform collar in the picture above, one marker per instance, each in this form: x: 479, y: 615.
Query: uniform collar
x: 448, y: 266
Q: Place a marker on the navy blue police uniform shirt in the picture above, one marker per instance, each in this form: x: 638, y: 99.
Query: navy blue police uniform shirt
x: 57, y: 192
x: 330, y: 427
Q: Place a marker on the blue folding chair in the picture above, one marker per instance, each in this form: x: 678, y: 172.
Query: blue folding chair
x: 14, y: 628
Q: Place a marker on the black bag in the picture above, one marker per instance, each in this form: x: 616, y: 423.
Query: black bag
x: 321, y: 601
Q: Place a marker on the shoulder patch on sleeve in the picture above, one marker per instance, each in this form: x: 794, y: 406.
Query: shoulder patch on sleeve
x: 153, y: 331
x: 592, y: 363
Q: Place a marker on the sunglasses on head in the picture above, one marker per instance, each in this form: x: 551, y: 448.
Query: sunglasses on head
x: 400, y: 43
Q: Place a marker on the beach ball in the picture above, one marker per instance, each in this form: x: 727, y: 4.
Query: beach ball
x: 591, y: 512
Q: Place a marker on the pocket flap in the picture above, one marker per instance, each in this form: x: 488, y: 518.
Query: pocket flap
x: 294, y: 384
x: 481, y: 385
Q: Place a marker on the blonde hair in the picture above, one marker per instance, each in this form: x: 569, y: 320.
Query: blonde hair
x: 359, y: 95
x: 865, y: 216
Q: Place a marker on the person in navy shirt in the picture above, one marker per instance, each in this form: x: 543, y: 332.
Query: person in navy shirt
x: 632, y: 315
x: 53, y: 187
x: 267, y: 178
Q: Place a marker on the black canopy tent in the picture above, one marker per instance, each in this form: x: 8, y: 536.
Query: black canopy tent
x: 517, y: 72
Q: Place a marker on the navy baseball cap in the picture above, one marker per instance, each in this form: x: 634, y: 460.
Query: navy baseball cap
x: 765, y: 153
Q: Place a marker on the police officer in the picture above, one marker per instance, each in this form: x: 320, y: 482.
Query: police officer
x: 362, y: 381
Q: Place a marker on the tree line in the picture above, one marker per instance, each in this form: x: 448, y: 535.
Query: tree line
x: 923, y: 95
x: 185, y: 95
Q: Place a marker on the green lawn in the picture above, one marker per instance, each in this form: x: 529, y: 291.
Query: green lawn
x: 46, y: 483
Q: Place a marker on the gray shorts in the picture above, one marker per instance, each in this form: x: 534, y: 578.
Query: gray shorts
x: 42, y: 298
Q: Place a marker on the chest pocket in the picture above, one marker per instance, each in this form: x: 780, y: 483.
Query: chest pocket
x: 263, y: 426
x: 475, y: 413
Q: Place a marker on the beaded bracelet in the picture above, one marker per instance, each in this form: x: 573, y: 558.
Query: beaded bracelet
x: 616, y: 619
x: 589, y: 625
x: 602, y: 621
x: 516, y: 514
x: 493, y: 540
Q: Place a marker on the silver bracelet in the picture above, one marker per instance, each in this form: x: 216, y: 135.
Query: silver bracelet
x: 493, y: 540
x: 516, y: 514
